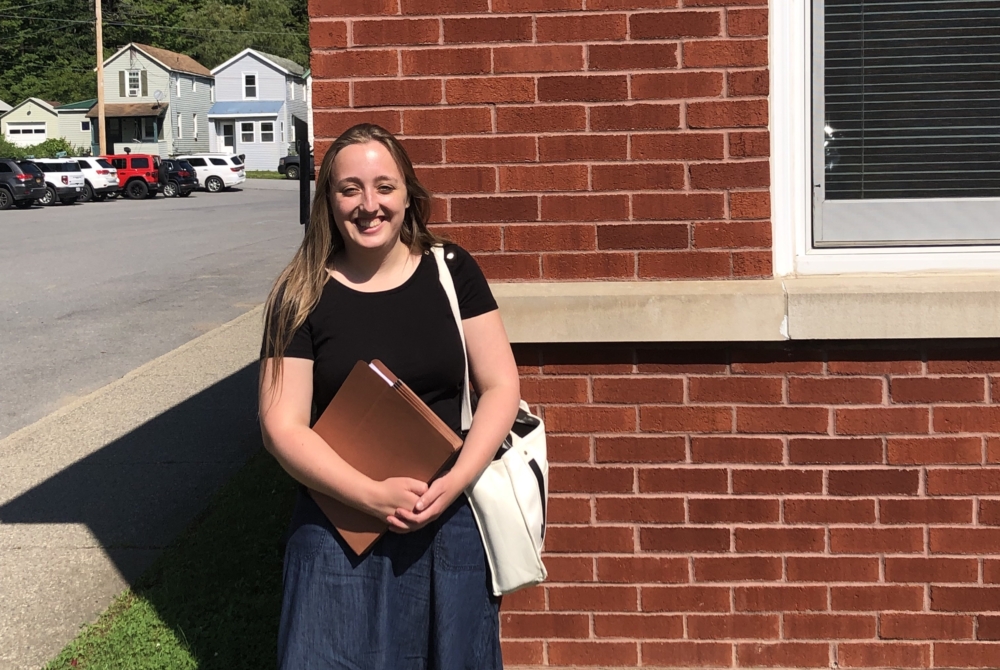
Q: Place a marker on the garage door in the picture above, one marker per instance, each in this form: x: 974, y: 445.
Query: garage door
x: 25, y: 134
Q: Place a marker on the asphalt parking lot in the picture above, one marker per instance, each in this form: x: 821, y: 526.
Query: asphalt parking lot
x: 91, y: 291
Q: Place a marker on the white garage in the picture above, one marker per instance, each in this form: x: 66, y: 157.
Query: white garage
x: 25, y: 134
x: 31, y: 122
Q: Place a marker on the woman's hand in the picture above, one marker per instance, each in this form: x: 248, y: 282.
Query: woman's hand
x: 390, y: 495
x: 429, y: 505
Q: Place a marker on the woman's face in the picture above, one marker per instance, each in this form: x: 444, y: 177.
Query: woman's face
x: 369, y: 196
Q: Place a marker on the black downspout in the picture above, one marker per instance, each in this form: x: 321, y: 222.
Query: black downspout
x: 305, y: 168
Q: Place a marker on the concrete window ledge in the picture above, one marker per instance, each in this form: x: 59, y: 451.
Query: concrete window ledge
x: 801, y: 308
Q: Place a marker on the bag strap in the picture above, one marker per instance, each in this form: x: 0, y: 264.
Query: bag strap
x: 448, y: 283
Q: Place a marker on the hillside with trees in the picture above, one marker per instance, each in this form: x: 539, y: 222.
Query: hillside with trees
x: 47, y: 47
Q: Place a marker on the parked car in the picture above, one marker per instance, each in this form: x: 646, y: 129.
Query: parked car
x: 100, y: 179
x: 21, y: 184
x: 217, y: 171
x: 181, y: 178
x: 63, y: 180
x: 289, y: 166
x: 138, y: 174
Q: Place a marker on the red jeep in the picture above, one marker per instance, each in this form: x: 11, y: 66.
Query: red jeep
x: 138, y: 174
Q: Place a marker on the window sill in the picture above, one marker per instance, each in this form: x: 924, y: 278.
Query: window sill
x: 802, y: 308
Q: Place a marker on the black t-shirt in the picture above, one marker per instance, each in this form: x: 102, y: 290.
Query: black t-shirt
x: 409, y: 328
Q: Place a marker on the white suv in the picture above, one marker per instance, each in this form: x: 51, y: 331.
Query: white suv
x: 100, y: 178
x: 217, y: 171
x: 63, y: 180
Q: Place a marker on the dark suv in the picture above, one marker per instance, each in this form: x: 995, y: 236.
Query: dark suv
x: 289, y: 166
x: 21, y: 184
x: 181, y: 178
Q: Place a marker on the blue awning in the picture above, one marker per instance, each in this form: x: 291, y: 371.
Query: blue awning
x: 245, y: 108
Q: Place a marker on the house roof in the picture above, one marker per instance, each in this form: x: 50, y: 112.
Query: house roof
x: 83, y: 105
x: 115, y: 109
x: 246, y: 108
x: 168, y: 59
x: 4, y: 106
x: 38, y: 101
x: 284, y: 64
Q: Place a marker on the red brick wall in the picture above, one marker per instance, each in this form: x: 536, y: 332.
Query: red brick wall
x: 567, y: 139
x: 800, y: 506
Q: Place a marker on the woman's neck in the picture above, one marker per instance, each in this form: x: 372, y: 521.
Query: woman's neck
x: 360, y: 266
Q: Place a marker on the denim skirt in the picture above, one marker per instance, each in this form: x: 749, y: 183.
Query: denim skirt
x: 416, y: 601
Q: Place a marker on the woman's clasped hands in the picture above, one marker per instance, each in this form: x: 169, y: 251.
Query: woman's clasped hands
x: 410, y: 504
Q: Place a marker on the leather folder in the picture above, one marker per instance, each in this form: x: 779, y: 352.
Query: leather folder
x: 383, y: 429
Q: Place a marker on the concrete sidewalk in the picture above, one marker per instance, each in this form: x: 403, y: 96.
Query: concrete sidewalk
x: 92, y: 493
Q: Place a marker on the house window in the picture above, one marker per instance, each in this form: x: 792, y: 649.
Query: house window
x: 249, y: 86
x: 194, y: 127
x: 180, y: 127
x: 133, y: 83
x: 267, y: 131
x: 246, y: 132
x: 281, y: 131
x: 85, y: 126
x: 148, y: 128
x: 211, y: 92
x: 291, y: 90
x: 177, y: 83
x: 291, y: 131
x: 194, y: 85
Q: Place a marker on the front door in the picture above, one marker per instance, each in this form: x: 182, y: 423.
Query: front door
x: 229, y: 137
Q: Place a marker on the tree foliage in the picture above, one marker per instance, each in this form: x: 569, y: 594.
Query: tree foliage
x: 47, y: 149
x: 47, y: 47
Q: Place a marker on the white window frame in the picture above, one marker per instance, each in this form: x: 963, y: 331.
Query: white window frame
x: 790, y: 39
x: 211, y: 92
x: 177, y: 85
x: 256, y: 86
x: 142, y: 130
x: 85, y: 129
x: 194, y: 84
x: 253, y: 131
x: 137, y: 91
x: 262, y: 131
x: 194, y: 127
x: 281, y: 131
x: 180, y: 126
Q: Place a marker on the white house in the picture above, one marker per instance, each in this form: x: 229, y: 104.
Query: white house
x: 32, y: 121
x: 257, y: 95
x: 74, y: 124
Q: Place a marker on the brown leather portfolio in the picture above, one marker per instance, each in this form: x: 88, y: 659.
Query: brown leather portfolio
x: 383, y: 429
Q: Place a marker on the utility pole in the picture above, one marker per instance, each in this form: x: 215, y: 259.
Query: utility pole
x: 102, y: 140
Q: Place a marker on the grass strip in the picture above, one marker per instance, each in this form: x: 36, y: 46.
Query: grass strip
x: 263, y: 174
x: 212, y: 599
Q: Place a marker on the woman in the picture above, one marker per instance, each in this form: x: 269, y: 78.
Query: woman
x: 364, y: 285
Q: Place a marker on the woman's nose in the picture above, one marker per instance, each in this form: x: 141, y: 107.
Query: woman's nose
x: 370, y: 203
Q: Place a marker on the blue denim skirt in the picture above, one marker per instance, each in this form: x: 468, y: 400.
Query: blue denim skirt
x: 417, y: 601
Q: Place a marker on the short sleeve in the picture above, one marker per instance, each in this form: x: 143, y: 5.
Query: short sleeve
x: 474, y: 295
x: 300, y: 344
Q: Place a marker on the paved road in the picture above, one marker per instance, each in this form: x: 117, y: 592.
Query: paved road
x: 92, y: 291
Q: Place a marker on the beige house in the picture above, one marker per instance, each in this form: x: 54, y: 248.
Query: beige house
x: 74, y: 124
x: 30, y: 122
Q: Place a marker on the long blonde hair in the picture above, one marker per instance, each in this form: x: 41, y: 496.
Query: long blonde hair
x: 299, y: 286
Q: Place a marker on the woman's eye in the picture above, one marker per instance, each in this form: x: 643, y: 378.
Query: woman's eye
x: 350, y: 191
x: 385, y: 188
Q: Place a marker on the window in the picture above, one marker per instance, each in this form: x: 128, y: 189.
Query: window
x: 197, y: 162
x: 103, y: 163
x: 134, y: 83
x: 211, y: 92
x: 218, y: 161
x: 119, y: 163
x: 249, y: 86
x: 281, y: 131
x: 177, y: 85
x: 14, y: 131
x: 236, y: 160
x: 267, y: 131
x: 85, y: 126
x: 246, y: 132
x: 194, y: 127
x: 180, y: 127
x: 141, y: 163
x: 84, y: 165
x: 5, y: 168
x: 194, y: 85
x: 149, y: 128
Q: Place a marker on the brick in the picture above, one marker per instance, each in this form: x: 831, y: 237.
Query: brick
x: 962, y: 481
x: 631, y: 57
x: 827, y: 511
x: 518, y: 208
x: 784, y: 654
x: 736, y: 450
x: 562, y: 58
x: 639, y: 449
x: 327, y: 34
x: 446, y: 61
x: 881, y: 420
x: 687, y: 654
x: 876, y: 598
x: 490, y: 90
x: 435, y: 7
x: 685, y: 265
x: 966, y: 419
x: 874, y: 362
x: 746, y: 22
x: 989, y: 512
x: 749, y: 204
x: 548, y: 178
x: 725, y: 53
x: 520, y: 652
x: 965, y: 540
x: 588, y: 266
x: 685, y: 419
x: 962, y: 361
x: 582, y: 88
x: 449, y: 121
x: 636, y: 116
x: 780, y: 598
x: 965, y: 598
x: 835, y: 390
x: 677, y: 146
x: 568, y: 510
x: 993, y: 445
x: 594, y: 598
x: 777, y: 481
x: 554, y: 389
x: 583, y: 147
x: 939, y: 389
x: 728, y: 114
x: 779, y: 540
x: 458, y: 179
x: 581, y: 28
x: 747, y: 83
x: 667, y: 25
x: 829, y: 626
x: 590, y: 479
x: 531, y: 599
x: 732, y: 235
x: 395, y: 32
x: 685, y: 599
x: 833, y: 450
x: 832, y: 569
x: 676, y: 85
x: 728, y: 175
x: 966, y: 655
x: 601, y: 5
x: 568, y: 448
x: 548, y: 625
x: 923, y: 511
x: 423, y: 151
x: 351, y: 7
x: 736, y: 389
x: 498, y: 29
x: 753, y: 264
x: 332, y: 124
x: 574, y: 419
x: 505, y: 149
x: 749, y: 144
x: 873, y: 482
x: 503, y: 6
x: 684, y: 540
x: 678, y: 206
x: 881, y: 655
x: 328, y: 94
x: 638, y: 390
x: 683, y: 480
x: 570, y: 568
x: 639, y: 626
x: 637, y: 176
x: 876, y: 540
x: 366, y: 63
x: 578, y: 539
x: 473, y: 238
x: 641, y: 569
x: 737, y: 569
x: 643, y: 236
x: 988, y: 627
x: 593, y: 653
x: 542, y: 118
x: 925, y: 627
x: 641, y: 509
x: 729, y: 626
x: 782, y: 419
x: 733, y: 510
x: 584, y: 207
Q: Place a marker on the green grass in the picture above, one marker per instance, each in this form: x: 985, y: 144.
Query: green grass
x: 263, y: 174
x: 213, y: 598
